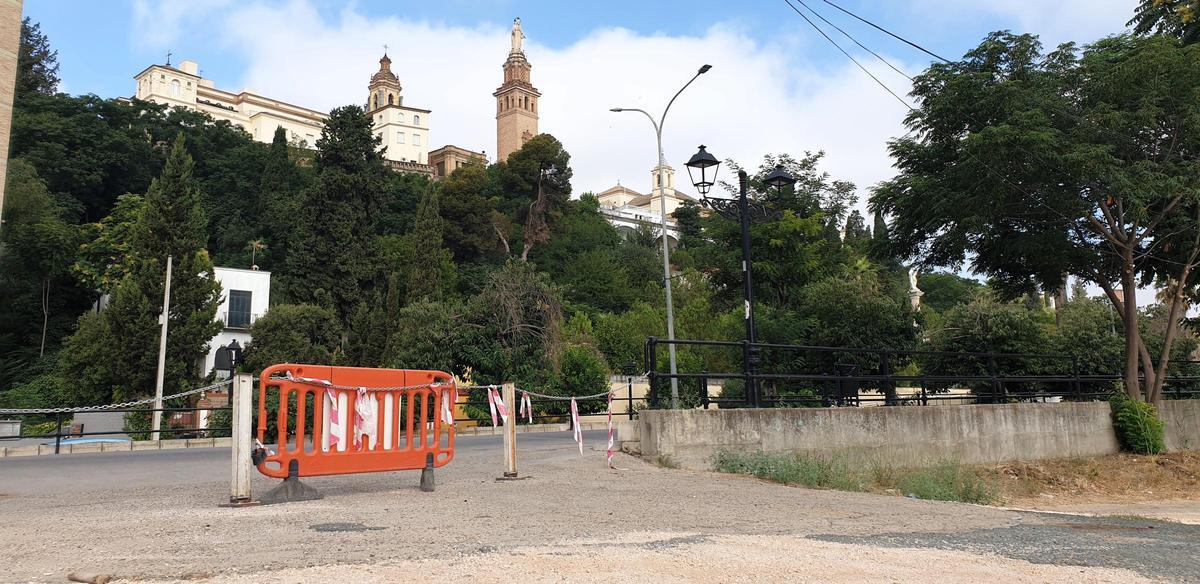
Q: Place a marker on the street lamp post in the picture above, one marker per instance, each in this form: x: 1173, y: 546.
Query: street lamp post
x: 706, y: 166
x: 662, y: 201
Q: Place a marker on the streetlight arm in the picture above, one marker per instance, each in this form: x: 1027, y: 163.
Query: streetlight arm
x: 685, y: 86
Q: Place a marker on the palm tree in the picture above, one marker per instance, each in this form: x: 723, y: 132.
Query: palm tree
x: 255, y: 246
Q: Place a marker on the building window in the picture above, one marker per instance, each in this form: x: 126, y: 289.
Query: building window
x: 175, y: 88
x: 416, y: 120
x: 400, y: 136
x: 390, y: 98
x: 416, y: 139
x: 400, y: 117
x: 239, y: 309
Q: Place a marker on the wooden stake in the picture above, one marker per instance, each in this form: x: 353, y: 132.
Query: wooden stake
x: 509, y: 394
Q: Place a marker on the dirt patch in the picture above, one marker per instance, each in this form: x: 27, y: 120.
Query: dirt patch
x: 658, y: 558
x: 1119, y: 478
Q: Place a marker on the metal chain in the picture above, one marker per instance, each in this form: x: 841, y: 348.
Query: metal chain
x: 115, y: 406
x: 564, y: 397
x: 323, y: 383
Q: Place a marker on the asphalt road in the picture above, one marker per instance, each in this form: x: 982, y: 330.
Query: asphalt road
x: 70, y: 473
x: 153, y: 516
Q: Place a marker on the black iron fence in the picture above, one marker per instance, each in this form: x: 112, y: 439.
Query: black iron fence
x: 801, y: 375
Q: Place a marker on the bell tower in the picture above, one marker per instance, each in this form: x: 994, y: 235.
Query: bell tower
x: 516, y: 99
x: 384, y: 88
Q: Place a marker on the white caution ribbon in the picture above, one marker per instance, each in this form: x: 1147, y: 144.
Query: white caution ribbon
x: 365, y: 423
x: 575, y: 424
x: 610, y: 431
x: 449, y: 400
x: 526, y: 407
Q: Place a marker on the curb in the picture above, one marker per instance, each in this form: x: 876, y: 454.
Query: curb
x: 48, y: 449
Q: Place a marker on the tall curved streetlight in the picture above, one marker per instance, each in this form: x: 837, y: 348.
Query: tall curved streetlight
x: 662, y: 200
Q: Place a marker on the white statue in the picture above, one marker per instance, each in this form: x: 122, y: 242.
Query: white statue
x: 912, y: 279
x: 518, y: 37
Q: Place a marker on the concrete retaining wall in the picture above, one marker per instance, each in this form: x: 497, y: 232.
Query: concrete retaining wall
x: 1181, y: 419
x: 901, y: 436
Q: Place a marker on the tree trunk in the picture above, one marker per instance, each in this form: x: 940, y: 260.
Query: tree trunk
x: 45, y: 314
x: 1132, y: 336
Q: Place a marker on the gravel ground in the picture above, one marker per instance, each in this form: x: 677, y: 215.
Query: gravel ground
x: 572, y: 520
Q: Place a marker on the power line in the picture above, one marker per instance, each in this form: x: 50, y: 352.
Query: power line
x: 849, y: 56
x: 892, y: 34
x: 854, y: 40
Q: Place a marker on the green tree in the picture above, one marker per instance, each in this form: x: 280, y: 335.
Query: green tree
x: 466, y: 210
x: 294, y: 333
x: 1178, y: 18
x: 279, y: 201
x: 334, y: 250
x: 37, y: 63
x: 944, y: 290
x: 171, y: 224
x: 988, y: 326
x: 431, y: 271
x: 537, y: 184
x: 1014, y: 153
x: 37, y: 250
x: 858, y: 236
x: 100, y: 263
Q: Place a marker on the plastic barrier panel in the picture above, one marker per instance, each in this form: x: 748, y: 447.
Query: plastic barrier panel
x: 344, y: 420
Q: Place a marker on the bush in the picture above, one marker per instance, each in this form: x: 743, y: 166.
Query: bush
x: 1139, y: 430
x: 792, y: 470
x: 947, y: 482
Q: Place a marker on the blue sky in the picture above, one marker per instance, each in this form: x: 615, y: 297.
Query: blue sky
x: 102, y: 44
x: 775, y: 86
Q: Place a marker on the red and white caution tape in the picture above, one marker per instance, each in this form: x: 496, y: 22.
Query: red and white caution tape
x: 335, y: 420
x: 526, y: 407
x: 575, y: 424
x: 610, y: 431
x: 365, y: 423
x: 496, y: 404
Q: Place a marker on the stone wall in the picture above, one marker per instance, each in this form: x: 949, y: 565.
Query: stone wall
x: 900, y: 436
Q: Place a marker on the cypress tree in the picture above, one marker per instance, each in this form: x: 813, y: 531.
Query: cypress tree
x: 172, y: 223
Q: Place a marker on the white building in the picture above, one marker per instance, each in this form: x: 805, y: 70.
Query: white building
x: 628, y: 209
x: 245, y: 296
x: 402, y: 129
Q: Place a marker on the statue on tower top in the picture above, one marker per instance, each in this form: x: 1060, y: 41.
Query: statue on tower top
x: 518, y: 37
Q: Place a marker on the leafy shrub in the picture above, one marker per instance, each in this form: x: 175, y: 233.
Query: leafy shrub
x: 1139, y: 430
x: 792, y: 470
x: 947, y: 482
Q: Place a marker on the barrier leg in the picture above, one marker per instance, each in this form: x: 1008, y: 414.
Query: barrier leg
x: 291, y: 489
x: 427, y: 484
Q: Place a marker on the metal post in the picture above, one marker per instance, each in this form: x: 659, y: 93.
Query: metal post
x: 652, y: 369
x: 57, y: 431
x: 1075, y: 385
x: 747, y: 389
x: 704, y: 389
x: 889, y: 385
x: 629, y: 404
x: 750, y: 354
x: 992, y: 374
x: 156, y: 417
x: 241, y: 442
x: 508, y: 393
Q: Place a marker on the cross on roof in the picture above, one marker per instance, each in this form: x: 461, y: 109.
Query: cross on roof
x: 168, y: 57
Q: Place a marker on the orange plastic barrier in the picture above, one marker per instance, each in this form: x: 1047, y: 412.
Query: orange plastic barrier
x: 408, y: 425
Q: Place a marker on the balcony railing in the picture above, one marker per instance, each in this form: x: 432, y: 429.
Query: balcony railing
x: 236, y: 319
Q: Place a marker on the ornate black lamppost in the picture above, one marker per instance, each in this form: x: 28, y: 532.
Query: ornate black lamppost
x: 702, y: 169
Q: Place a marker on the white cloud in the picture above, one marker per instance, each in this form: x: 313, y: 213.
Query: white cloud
x: 158, y: 23
x: 1055, y: 21
x: 756, y: 100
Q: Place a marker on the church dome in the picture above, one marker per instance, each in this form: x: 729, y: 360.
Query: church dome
x: 384, y: 75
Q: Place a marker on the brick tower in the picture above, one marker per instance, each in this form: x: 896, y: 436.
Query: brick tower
x: 516, y: 100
